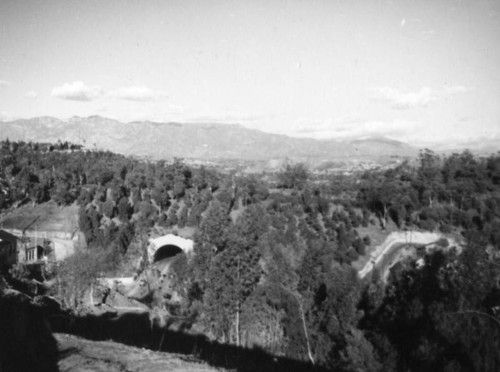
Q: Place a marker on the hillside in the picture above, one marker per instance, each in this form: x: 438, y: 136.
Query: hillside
x: 78, y: 354
x: 46, y: 217
x: 273, y: 260
x: 202, y: 141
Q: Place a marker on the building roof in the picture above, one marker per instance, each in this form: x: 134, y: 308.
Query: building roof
x: 5, y: 236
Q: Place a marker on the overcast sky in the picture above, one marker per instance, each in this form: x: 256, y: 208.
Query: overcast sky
x: 419, y: 71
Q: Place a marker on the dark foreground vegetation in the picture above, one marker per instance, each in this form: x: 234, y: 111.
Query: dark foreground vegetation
x: 26, y: 342
x: 273, y: 252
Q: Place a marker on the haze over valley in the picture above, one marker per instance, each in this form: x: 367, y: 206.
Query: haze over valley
x: 197, y: 141
x: 279, y: 185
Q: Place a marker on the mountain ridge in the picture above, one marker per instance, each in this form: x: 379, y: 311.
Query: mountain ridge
x: 163, y: 140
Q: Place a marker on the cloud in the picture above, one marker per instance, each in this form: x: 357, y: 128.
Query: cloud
x: 357, y: 127
x: 394, y: 129
x: 457, y: 89
x: 77, y: 91
x: 4, y: 83
x: 5, y: 116
x: 31, y: 94
x: 230, y: 118
x: 137, y: 93
x: 337, y: 125
x: 428, y: 34
x: 402, y: 101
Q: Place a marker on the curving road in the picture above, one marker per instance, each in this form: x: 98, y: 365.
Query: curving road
x: 396, y: 241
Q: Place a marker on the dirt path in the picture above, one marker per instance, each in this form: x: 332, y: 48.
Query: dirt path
x: 81, y: 355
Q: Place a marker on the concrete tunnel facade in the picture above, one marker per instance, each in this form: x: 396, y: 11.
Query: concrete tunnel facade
x: 168, y: 246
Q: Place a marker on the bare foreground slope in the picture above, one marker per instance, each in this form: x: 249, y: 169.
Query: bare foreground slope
x: 79, y: 355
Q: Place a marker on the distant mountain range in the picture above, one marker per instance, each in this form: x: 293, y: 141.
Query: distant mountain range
x: 199, y: 141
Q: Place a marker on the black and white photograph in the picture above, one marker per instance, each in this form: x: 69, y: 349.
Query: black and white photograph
x: 250, y: 185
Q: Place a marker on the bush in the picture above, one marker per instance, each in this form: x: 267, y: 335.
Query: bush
x: 443, y: 243
x: 359, y: 246
x: 367, y: 241
x: 445, y: 228
x: 429, y: 225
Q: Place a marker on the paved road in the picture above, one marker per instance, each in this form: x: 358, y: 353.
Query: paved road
x: 397, y: 240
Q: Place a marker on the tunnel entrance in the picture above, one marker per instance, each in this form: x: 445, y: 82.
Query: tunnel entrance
x: 168, y: 246
x: 166, y: 251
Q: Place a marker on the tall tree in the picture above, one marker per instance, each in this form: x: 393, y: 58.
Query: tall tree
x: 293, y: 176
x: 429, y: 177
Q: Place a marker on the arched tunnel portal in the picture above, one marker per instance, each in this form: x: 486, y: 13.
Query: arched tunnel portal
x: 168, y: 246
x: 166, y: 251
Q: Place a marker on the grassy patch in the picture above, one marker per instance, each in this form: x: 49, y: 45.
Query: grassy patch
x: 44, y: 217
x: 377, y: 237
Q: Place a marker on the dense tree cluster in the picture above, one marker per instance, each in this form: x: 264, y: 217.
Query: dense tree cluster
x: 442, y: 316
x: 272, y: 266
x: 299, y: 296
x: 459, y: 192
x: 106, y: 186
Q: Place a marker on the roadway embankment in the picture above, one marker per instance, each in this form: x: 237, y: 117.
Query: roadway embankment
x: 400, y: 240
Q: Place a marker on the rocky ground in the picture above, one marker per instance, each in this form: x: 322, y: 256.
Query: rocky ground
x: 81, y: 355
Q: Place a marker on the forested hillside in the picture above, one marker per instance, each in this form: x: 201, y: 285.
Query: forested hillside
x: 272, y: 264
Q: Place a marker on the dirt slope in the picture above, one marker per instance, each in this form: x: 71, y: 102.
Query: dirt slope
x: 81, y: 355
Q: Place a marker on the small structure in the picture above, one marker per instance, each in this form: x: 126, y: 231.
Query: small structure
x: 8, y: 249
x: 33, y: 250
x: 168, y: 246
x: 56, y: 245
x: 34, y: 254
